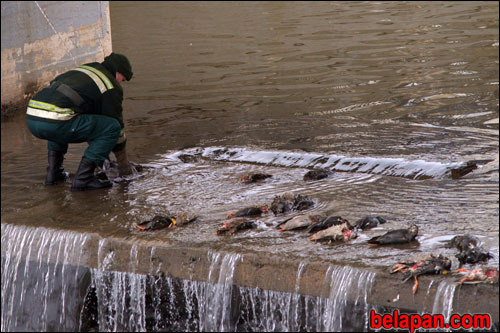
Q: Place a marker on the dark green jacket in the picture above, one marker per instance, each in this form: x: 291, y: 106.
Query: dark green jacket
x: 102, y: 95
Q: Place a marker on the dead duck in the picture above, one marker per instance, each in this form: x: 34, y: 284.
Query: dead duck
x: 463, y: 242
x: 483, y: 274
x: 398, y: 236
x: 249, y: 212
x: 161, y: 222
x: 341, y: 232
x: 298, y: 222
x: 327, y: 223
x: 369, y: 222
x: 302, y: 202
x: 463, y: 170
x: 183, y: 218
x: 232, y: 226
x: 282, y: 204
x: 469, y: 250
x: 317, y: 174
x: 254, y: 177
x: 289, y: 202
x: 429, y: 265
x: 157, y: 223
x: 473, y: 255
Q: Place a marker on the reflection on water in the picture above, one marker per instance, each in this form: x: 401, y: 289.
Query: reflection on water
x: 375, y: 81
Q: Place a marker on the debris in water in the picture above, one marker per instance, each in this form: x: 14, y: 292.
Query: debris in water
x: 429, y: 265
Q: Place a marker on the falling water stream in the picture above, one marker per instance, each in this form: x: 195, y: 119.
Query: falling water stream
x: 127, y: 301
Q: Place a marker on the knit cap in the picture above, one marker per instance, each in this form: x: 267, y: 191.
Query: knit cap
x: 119, y: 63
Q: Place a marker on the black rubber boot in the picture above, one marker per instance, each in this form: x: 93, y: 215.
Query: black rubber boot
x: 85, y: 178
x: 55, y: 170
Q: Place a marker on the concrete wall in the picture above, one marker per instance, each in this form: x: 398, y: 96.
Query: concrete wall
x: 41, y: 39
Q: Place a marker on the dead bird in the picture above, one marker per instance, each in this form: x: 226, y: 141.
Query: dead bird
x: 483, y: 274
x: 183, y: 218
x: 157, y: 223
x: 429, y: 265
x: 254, y: 177
x: 317, y: 174
x: 341, y: 232
x: 368, y: 222
x: 463, y: 170
x: 469, y: 250
x: 302, y: 202
x: 249, y: 212
x: 298, y: 222
x: 463, y: 242
x: 327, y: 223
x: 398, y: 236
x: 282, y: 204
x: 288, y: 202
x: 167, y: 221
x: 473, y: 255
x: 232, y: 226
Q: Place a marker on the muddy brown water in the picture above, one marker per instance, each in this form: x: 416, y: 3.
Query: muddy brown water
x: 282, y: 82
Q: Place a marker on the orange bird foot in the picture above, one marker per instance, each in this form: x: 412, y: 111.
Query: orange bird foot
x: 415, y: 286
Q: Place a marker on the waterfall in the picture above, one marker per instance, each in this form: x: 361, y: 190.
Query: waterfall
x: 215, y: 313
x: 121, y: 296
x: 443, y: 300
x: 348, y: 289
x: 43, y: 278
x: 46, y: 286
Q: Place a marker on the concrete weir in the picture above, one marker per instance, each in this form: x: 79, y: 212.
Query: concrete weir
x: 64, y: 280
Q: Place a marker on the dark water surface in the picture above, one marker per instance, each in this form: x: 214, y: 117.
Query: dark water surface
x: 275, y: 85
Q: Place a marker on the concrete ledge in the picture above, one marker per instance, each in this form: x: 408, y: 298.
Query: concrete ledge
x: 279, y: 273
x: 267, y: 271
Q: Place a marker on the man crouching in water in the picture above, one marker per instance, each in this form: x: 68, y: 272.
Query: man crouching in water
x: 83, y: 105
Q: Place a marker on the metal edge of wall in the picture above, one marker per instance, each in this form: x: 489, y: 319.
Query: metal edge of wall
x: 41, y: 39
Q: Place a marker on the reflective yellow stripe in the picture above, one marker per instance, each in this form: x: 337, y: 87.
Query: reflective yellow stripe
x: 49, y: 107
x: 56, y: 115
x: 95, y: 78
x: 103, y: 77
